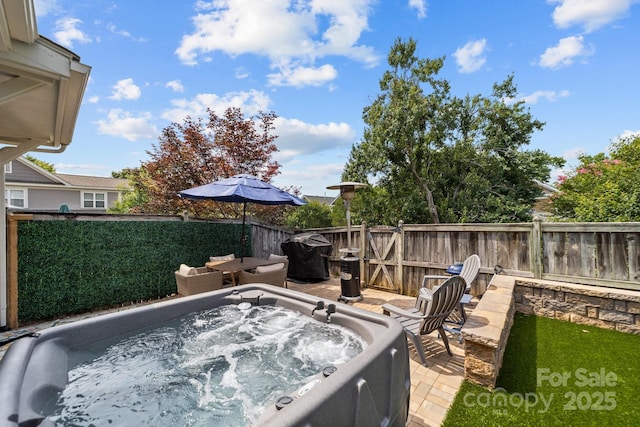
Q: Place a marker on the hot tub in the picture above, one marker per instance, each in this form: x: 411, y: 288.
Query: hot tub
x: 370, y: 389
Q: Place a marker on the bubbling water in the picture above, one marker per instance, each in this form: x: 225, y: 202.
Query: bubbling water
x: 216, y: 367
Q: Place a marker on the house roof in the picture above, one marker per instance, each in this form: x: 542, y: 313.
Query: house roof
x: 43, y: 177
x: 93, y: 181
x: 547, y: 189
x: 326, y: 200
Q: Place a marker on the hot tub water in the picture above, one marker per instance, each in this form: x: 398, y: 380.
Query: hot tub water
x: 216, y: 367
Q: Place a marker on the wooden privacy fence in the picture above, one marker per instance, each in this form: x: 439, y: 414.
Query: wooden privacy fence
x: 267, y: 239
x: 396, y: 258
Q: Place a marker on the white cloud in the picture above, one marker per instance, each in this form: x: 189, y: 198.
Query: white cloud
x: 299, y: 138
x: 420, y: 6
x: 303, y: 76
x: 298, y: 33
x: 83, y: 169
x: 571, y: 157
x: 45, y: 7
x: 204, y: 5
x: 564, y: 53
x: 93, y: 99
x: 175, y: 85
x: 311, y: 177
x: 241, y: 73
x: 573, y: 153
x: 470, y: 57
x: 123, y: 124
x: 251, y: 102
x: 125, y: 89
x: 295, y: 137
x: 116, y: 30
x: 556, y: 173
x: 627, y: 134
x: 67, y: 32
x: 124, y: 33
x: 549, y: 95
x: 589, y: 14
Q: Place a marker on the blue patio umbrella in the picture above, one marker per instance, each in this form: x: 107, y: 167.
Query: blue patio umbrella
x: 243, y: 189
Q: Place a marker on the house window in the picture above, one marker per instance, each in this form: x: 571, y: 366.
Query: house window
x: 94, y: 200
x: 7, y: 167
x: 15, y: 198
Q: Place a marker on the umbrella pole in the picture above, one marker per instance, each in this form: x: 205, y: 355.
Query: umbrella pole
x: 243, y: 238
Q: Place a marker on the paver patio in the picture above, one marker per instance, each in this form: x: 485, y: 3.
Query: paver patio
x: 433, y: 388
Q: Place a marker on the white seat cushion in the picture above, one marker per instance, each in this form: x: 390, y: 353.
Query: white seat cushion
x: 269, y: 268
x: 274, y: 257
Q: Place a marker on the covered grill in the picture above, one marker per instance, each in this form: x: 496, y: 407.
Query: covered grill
x: 308, y: 256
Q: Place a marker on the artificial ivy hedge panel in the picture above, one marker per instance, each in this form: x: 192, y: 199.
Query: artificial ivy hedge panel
x: 71, y: 267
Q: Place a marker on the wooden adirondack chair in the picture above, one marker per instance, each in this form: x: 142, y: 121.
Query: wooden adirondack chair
x: 430, y: 312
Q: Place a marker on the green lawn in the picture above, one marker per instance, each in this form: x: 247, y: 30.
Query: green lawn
x: 557, y: 373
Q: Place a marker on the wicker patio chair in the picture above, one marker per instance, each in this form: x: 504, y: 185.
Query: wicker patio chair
x: 194, y: 280
x: 274, y: 274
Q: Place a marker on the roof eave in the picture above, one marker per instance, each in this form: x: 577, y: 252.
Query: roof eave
x: 41, y: 85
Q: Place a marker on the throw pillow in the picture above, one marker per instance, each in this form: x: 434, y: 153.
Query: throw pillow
x: 188, y: 271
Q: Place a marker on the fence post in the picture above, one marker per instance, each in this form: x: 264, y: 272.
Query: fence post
x: 536, y: 248
x: 364, y: 269
x: 12, y: 267
x: 399, y: 276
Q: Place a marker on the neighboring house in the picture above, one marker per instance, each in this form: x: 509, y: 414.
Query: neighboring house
x: 329, y: 201
x: 28, y: 187
x: 542, y: 208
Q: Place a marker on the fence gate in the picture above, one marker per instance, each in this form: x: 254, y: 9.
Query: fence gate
x: 382, y: 265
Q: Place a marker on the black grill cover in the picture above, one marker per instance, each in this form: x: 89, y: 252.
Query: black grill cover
x: 308, y: 256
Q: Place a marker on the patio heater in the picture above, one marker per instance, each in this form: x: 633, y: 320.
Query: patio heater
x: 349, y: 261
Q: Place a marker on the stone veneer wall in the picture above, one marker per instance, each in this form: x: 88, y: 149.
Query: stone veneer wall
x: 607, y: 308
x: 486, y: 332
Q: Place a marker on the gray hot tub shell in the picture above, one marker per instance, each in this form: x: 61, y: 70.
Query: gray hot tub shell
x: 372, y: 389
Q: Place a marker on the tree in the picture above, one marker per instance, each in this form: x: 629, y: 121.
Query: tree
x: 49, y: 167
x: 312, y: 215
x: 133, y: 197
x: 196, y: 153
x: 439, y: 158
x: 602, y: 188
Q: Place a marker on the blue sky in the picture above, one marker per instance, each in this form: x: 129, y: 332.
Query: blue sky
x: 317, y: 64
